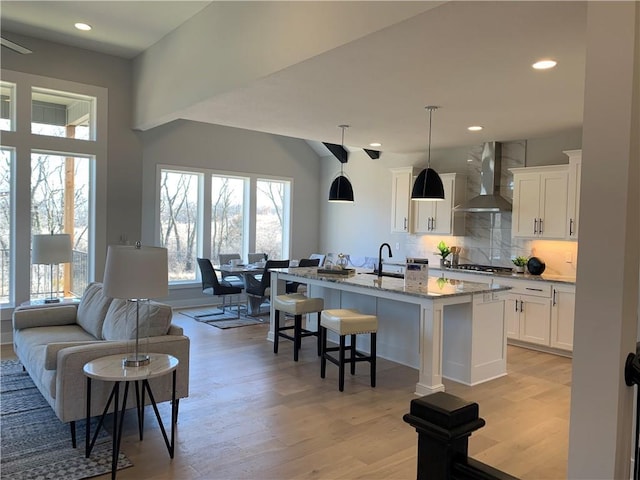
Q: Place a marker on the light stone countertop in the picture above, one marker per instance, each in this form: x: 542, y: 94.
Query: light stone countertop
x: 549, y: 277
x: 437, y: 285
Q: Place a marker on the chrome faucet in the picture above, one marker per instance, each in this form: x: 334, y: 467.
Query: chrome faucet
x: 380, y: 257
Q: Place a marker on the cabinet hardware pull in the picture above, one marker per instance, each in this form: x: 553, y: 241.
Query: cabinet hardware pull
x: 534, y: 289
x: 535, y: 225
x: 540, y: 226
x: 516, y: 305
x: 521, y: 306
x: 554, y: 297
x: 405, y: 223
x: 571, y: 227
x: 433, y: 223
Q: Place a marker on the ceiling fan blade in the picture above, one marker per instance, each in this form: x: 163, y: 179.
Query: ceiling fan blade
x: 14, y: 46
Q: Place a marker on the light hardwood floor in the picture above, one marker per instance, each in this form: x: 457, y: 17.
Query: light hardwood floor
x: 255, y: 415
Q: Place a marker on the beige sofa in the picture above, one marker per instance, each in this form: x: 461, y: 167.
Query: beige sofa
x: 54, y: 342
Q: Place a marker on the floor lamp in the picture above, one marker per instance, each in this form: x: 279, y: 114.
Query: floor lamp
x: 51, y: 250
x: 136, y: 273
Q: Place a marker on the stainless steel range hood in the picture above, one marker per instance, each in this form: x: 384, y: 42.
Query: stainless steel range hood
x: 489, y: 199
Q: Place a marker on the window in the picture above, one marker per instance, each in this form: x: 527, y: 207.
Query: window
x: 187, y: 198
x: 7, y: 109
x: 6, y: 159
x: 180, y: 195
x: 227, y: 215
x: 60, y: 203
x: 272, y: 218
x: 62, y: 114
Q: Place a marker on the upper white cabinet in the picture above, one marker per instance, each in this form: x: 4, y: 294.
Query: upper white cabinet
x: 437, y: 218
x: 401, y: 185
x: 540, y: 202
x: 573, y: 207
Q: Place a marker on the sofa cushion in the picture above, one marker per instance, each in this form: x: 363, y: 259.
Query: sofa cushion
x: 92, y: 309
x: 120, y: 321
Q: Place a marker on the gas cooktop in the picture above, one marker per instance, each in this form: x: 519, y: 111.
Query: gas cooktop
x: 482, y: 268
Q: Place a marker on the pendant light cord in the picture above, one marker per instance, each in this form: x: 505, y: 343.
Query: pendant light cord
x: 431, y: 108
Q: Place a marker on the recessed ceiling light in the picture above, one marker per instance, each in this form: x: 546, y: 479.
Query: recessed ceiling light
x: 375, y: 144
x: 544, y: 64
x: 83, y: 26
x: 475, y: 128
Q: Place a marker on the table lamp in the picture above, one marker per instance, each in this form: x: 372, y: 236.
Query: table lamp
x: 51, y: 250
x: 136, y: 273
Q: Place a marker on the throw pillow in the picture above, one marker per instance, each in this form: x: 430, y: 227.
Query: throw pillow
x: 120, y: 321
x: 92, y: 309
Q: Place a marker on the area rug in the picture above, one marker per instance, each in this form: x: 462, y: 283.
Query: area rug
x: 35, y: 444
x: 229, y: 319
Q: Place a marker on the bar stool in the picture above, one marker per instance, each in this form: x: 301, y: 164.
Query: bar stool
x: 347, y: 322
x: 295, y: 304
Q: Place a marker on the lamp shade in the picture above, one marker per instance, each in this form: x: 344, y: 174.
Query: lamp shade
x: 51, y: 249
x: 136, y: 272
x: 341, y: 190
x: 428, y: 186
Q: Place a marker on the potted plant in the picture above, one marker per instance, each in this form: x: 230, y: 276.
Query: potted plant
x: 520, y: 262
x: 444, y: 252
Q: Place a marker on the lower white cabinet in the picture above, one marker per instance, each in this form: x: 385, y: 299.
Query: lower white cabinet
x: 528, y: 318
x: 562, y: 316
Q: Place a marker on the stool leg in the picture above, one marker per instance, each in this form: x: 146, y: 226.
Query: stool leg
x: 353, y: 354
x: 341, y: 365
x: 373, y: 359
x: 323, y: 358
x: 276, y: 331
x: 319, y: 335
x: 297, y: 336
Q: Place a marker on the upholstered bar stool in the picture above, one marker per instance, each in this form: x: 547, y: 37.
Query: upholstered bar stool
x: 347, y: 322
x: 295, y: 304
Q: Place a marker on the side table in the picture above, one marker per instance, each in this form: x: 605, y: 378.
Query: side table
x: 112, y: 369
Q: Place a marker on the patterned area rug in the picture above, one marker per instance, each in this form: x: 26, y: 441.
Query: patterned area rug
x: 228, y: 319
x: 35, y: 444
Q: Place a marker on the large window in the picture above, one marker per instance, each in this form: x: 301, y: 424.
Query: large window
x: 50, y: 160
x: 179, y: 220
x: 187, y: 198
x: 60, y: 203
x: 6, y: 159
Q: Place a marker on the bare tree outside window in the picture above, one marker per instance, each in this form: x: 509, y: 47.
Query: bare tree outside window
x: 227, y: 215
x: 5, y: 224
x: 179, y: 192
x: 270, y: 202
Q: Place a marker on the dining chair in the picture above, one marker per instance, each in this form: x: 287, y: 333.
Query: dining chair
x: 297, y: 287
x: 259, y: 290
x: 232, y: 278
x: 218, y: 288
x: 319, y: 256
x: 256, y: 257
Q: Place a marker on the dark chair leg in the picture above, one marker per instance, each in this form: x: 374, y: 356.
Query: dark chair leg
x: 341, y: 364
x: 276, y: 331
x: 323, y: 358
x: 373, y: 359
x: 319, y: 335
x: 72, y: 426
x: 353, y: 354
x: 297, y: 336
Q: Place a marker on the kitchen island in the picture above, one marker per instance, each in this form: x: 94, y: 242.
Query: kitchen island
x: 449, y: 328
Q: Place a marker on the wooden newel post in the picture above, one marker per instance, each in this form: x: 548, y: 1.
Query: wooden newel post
x: 444, y: 423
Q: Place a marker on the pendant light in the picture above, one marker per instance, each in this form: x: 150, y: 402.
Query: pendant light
x: 428, y: 186
x: 341, y: 189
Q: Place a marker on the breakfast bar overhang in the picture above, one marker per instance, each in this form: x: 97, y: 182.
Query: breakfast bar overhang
x: 448, y: 327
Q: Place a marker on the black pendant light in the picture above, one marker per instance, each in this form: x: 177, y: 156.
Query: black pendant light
x: 341, y: 189
x: 428, y: 186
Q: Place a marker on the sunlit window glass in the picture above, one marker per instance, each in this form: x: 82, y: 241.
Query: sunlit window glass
x: 60, y: 203
x: 271, y: 226
x: 7, y: 98
x: 179, y: 220
x: 62, y: 114
x: 227, y: 215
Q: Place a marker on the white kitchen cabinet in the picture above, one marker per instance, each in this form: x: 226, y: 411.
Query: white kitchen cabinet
x: 528, y: 311
x: 438, y: 218
x: 540, y: 202
x: 562, y: 316
x: 573, y: 207
x: 401, y: 185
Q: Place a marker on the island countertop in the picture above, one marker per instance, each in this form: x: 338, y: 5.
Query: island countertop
x: 437, y: 287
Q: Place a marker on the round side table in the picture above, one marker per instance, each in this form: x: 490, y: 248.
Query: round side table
x: 112, y: 369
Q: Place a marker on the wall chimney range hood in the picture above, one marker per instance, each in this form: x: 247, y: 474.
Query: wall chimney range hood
x: 489, y: 199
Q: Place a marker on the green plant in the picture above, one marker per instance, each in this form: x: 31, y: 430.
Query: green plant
x: 520, y: 261
x: 444, y: 250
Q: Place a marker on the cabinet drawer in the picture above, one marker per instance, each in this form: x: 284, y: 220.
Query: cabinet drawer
x: 519, y: 287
